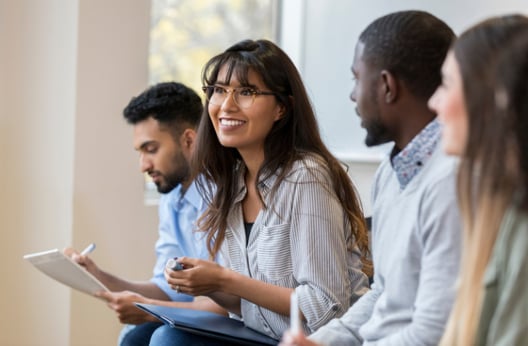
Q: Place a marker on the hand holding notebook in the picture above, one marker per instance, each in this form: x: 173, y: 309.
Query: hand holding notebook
x: 62, y: 268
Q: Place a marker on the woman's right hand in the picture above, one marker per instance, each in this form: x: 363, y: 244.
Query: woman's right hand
x: 197, y: 278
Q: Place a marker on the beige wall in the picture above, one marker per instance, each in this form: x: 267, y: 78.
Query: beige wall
x: 68, y: 174
x: 36, y: 164
x: 108, y: 195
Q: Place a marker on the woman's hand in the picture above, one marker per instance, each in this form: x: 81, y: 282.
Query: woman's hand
x: 197, y: 278
x: 123, y: 305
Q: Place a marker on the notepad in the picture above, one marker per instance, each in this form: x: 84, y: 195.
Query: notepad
x: 62, y: 268
x: 230, y: 331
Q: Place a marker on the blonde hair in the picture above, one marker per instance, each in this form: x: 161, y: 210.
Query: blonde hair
x: 488, y: 173
x: 480, y: 232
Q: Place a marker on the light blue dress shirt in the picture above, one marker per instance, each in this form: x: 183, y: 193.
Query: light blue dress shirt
x: 177, y: 220
x: 177, y: 237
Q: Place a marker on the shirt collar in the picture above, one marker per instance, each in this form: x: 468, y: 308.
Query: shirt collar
x: 191, y: 196
x: 411, y: 160
x: 264, y: 186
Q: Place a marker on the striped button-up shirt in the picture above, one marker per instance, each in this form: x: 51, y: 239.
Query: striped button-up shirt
x: 299, y: 241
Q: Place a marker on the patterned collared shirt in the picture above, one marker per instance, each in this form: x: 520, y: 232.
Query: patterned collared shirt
x: 410, y: 161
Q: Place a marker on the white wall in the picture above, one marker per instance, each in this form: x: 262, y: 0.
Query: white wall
x: 320, y: 36
x: 329, y: 31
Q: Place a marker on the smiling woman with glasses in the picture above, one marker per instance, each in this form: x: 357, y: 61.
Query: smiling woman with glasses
x: 282, y: 210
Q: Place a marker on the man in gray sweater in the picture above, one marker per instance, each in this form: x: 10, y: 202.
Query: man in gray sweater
x: 415, y: 222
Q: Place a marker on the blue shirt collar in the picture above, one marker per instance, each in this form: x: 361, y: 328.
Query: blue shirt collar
x: 410, y: 161
x: 191, y: 196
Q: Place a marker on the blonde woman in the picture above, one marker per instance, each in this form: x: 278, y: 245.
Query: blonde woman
x: 484, y: 109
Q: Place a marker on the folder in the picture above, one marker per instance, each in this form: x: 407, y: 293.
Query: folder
x: 62, y: 268
x: 208, y: 324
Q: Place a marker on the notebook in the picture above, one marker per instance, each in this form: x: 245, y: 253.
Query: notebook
x: 208, y: 324
x: 62, y: 268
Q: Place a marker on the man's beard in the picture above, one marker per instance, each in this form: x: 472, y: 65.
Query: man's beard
x: 376, y: 134
x: 167, y: 182
x: 179, y: 174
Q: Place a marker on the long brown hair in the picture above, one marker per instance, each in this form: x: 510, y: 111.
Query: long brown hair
x: 291, y: 137
x: 487, y: 177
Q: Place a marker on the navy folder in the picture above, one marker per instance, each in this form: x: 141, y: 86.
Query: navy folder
x: 208, y: 324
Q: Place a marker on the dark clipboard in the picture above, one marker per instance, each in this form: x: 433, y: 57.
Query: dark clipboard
x: 208, y: 324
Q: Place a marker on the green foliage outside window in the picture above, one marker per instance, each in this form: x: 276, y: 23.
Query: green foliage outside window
x: 186, y: 33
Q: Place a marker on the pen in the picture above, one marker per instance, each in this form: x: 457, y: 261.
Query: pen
x: 88, y: 249
x: 172, y: 264
x: 295, y: 320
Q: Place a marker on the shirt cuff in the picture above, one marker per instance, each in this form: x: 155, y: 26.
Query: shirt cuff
x: 172, y: 294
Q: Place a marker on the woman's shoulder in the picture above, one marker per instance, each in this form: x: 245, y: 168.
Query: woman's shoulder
x: 309, y: 163
x: 515, y: 223
x: 512, y: 241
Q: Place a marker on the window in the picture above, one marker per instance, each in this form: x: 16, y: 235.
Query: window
x: 185, y: 34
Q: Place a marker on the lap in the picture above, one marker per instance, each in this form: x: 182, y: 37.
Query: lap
x: 167, y: 336
x: 138, y: 335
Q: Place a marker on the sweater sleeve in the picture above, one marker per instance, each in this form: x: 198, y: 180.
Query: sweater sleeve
x: 440, y: 235
x: 345, y: 330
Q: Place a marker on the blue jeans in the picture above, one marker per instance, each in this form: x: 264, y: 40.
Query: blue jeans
x: 167, y: 336
x: 138, y: 335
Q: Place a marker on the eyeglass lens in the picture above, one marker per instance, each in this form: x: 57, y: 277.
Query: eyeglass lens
x: 243, y: 97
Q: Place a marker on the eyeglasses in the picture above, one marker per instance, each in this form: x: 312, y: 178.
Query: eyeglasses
x: 243, y: 96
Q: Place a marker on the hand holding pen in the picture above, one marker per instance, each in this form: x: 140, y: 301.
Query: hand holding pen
x: 88, y: 249
x: 82, y: 258
x: 295, y: 336
x: 173, y: 264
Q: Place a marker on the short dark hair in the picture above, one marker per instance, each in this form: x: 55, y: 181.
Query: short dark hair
x: 412, y: 45
x: 170, y: 103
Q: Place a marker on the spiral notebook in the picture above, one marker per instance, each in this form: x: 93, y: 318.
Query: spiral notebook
x: 208, y: 324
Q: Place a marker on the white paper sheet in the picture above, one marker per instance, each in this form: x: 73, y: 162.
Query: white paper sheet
x: 60, y: 267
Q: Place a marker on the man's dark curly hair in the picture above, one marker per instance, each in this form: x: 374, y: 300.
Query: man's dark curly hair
x: 171, y: 104
x: 412, y: 45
